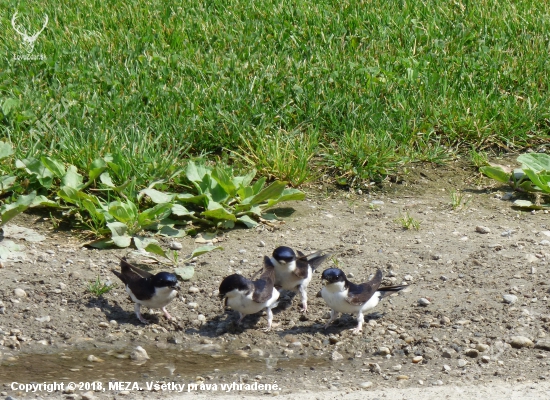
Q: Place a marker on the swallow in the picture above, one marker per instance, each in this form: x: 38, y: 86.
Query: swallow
x: 343, y: 296
x: 250, y: 297
x: 146, y: 289
x: 295, y: 272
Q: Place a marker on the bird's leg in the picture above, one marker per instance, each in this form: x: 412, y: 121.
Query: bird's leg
x: 359, y: 327
x: 269, y: 319
x: 333, y: 316
x: 168, y: 316
x: 303, y: 296
x: 137, y: 307
x: 241, y: 316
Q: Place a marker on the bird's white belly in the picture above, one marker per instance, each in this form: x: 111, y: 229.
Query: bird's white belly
x: 337, y: 301
x: 162, y: 297
x: 245, y: 304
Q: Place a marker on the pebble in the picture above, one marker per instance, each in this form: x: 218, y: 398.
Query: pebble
x: 88, y: 396
x: 509, y: 298
x: 92, y: 358
x: 462, y: 363
x: 397, y: 367
x: 408, y: 278
x: 424, y: 302
x: 446, y: 368
x: 482, y: 347
x: 176, y: 246
x: 402, y: 377
x: 113, y: 323
x: 365, y: 385
x: 543, y: 345
x: 545, y: 242
x: 43, y: 319
x: 139, y: 354
x: 261, y: 244
x: 192, y: 305
x: 193, y: 289
x: 19, y: 292
x: 335, y: 356
x: 518, y: 342
x: 103, y: 324
x: 482, y: 229
x: 485, y: 359
x: 417, y: 359
x: 471, y: 353
x: 374, y: 367
x: 384, y: 351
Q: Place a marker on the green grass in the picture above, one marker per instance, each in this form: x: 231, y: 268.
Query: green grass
x: 408, y: 222
x: 359, y: 87
x: 98, y: 289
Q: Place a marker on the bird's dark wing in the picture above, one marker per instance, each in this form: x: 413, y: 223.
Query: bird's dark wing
x: 263, y: 287
x: 130, y: 274
x: 360, y: 294
x: 388, y: 290
x: 313, y: 260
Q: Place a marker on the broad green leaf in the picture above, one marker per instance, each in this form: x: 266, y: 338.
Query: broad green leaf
x: 200, y: 199
x: 141, y: 242
x: 528, y: 186
x: 249, y: 222
x: 529, y: 205
x: 156, y: 249
x: 244, y: 181
x: 536, y: 179
x: 495, y: 173
x: 157, y: 196
x: 204, y: 249
x: 105, y: 178
x: 224, y: 180
x: 6, y: 150
x: 43, y: 201
x: 154, y: 214
x: 246, y: 192
x: 258, y: 185
x: 292, y: 194
x: 8, y: 105
x: 6, y: 182
x: 180, y: 211
x: 96, y: 168
x: 92, y: 210
x: 122, y: 241
x: 226, y: 224
x: 273, y: 191
x: 72, y: 178
x: 194, y: 172
x: 123, y: 211
x: 69, y: 194
x: 104, y: 243
x: 535, y: 161
x: 34, y: 167
x: 185, y: 273
x: 56, y: 167
x: 9, y: 211
x: 216, y: 211
x: 172, y: 232
x: 117, y: 228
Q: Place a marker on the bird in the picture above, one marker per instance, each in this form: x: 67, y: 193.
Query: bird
x: 343, y: 296
x: 146, y: 289
x: 250, y: 297
x: 295, y: 272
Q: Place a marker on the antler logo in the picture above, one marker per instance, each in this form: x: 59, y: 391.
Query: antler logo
x: 28, y: 40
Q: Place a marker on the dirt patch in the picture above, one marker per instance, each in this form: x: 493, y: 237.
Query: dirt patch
x: 464, y: 336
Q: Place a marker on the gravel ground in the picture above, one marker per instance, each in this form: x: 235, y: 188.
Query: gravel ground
x: 475, y: 319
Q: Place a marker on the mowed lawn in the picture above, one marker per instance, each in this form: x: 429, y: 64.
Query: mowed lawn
x: 293, y: 88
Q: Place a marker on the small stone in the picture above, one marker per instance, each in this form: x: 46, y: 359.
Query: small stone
x: 462, y: 363
x: 88, y: 396
x: 113, y: 323
x: 417, y: 359
x: 193, y: 290
x: 103, y: 324
x: 176, y: 246
x: 482, y: 347
x: 261, y: 244
x: 396, y: 367
x: 445, y: 321
x: 507, y: 196
x: 485, y: 359
x: 437, y: 257
x: 335, y: 356
x: 402, y: 377
x: 482, y: 229
x: 384, y: 351
x: 543, y: 345
x: 43, y: 319
x: 545, y: 242
x: 192, y: 305
x: 92, y: 358
x: 471, y: 353
x: 374, y: 367
x: 139, y: 354
x: 241, y: 353
x: 365, y: 385
x: 446, y: 368
x: 424, y: 302
x: 518, y: 342
x: 19, y: 292
x: 408, y: 278
x: 509, y: 298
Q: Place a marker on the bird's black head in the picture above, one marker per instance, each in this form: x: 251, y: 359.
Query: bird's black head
x: 232, y: 282
x: 284, y: 254
x: 165, y: 279
x: 333, y: 275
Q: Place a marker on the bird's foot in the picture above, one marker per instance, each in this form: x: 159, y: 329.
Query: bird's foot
x: 356, y: 331
x: 267, y: 329
x: 166, y: 314
x: 304, y: 309
x: 326, y: 325
x: 143, y: 320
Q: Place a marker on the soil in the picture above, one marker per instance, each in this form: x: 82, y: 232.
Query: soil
x: 465, y: 337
